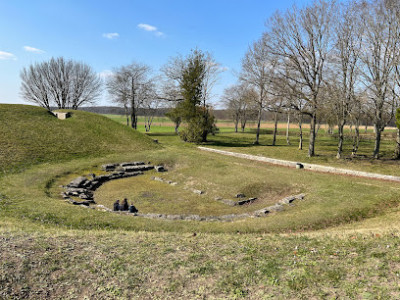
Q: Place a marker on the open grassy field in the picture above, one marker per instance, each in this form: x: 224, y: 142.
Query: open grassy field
x: 341, y: 241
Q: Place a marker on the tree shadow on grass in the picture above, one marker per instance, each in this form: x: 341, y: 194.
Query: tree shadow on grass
x: 155, y: 134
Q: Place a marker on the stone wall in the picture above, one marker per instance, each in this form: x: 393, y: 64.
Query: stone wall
x: 306, y: 166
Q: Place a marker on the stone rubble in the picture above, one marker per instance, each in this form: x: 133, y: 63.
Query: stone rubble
x: 83, y: 187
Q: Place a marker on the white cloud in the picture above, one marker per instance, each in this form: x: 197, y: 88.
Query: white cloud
x: 34, y: 50
x: 147, y: 27
x: 111, y: 35
x: 7, y: 55
x: 150, y: 28
x: 106, y: 74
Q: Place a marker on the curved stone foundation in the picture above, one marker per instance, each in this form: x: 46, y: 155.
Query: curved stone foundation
x: 279, y: 206
x: 84, y: 187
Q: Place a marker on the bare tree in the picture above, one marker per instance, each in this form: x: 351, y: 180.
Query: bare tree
x: 150, y: 108
x: 238, y: 100
x: 131, y: 85
x: 344, y: 62
x: 380, y: 57
x: 257, y: 68
x: 61, y: 83
x: 86, y: 86
x: 301, y: 40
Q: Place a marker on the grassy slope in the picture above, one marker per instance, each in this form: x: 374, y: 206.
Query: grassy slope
x: 31, y: 135
x: 111, y: 257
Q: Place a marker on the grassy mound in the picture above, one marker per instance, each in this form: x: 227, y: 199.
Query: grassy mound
x: 31, y: 135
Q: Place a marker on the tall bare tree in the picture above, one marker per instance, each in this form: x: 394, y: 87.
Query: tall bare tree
x: 301, y: 39
x: 131, y: 85
x: 61, y: 83
x: 257, y: 68
x: 342, y: 84
x: 380, y: 57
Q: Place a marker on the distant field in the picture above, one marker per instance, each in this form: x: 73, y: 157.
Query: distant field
x: 252, y: 125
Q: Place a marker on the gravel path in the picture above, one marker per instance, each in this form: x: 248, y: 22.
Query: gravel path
x: 306, y: 166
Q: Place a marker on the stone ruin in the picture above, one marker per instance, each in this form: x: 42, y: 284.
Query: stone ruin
x: 62, y: 115
x: 83, y: 187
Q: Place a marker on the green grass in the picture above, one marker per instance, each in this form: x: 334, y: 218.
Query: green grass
x: 31, y: 135
x: 143, y: 265
x: 341, y: 242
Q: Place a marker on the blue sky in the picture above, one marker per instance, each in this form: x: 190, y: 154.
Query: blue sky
x: 107, y: 34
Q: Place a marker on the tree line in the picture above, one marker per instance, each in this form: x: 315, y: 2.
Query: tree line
x: 337, y: 61
x: 331, y: 61
x: 184, y: 87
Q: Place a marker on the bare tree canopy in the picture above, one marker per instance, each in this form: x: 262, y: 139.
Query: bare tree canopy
x: 380, y: 59
x: 300, y: 40
x: 61, y: 83
x: 257, y: 69
x: 130, y: 86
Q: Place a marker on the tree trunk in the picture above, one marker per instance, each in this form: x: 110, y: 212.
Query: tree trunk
x: 397, y: 149
x: 257, y: 142
x: 287, y: 129
x: 301, y: 132
x: 243, y: 124
x: 205, y: 120
x: 177, y: 128
x: 378, y: 133
x: 236, y: 125
x: 330, y: 129
x: 311, y: 147
x: 126, y: 115
x: 356, y: 139
x: 133, y: 118
x: 275, y: 128
x: 341, y: 139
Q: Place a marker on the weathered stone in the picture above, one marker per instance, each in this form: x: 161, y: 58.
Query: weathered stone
x: 109, y: 167
x: 85, y: 203
x: 287, y: 200
x: 261, y: 212
x: 102, y: 208
x: 198, y: 192
x: 276, y: 207
x: 102, y: 178
x: 137, y: 168
x: 132, y: 174
x: 160, y: 169
x: 78, y: 182
x: 193, y: 218
x: 157, y: 179
x: 132, y: 163
x: 240, y: 195
x: 248, y: 201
